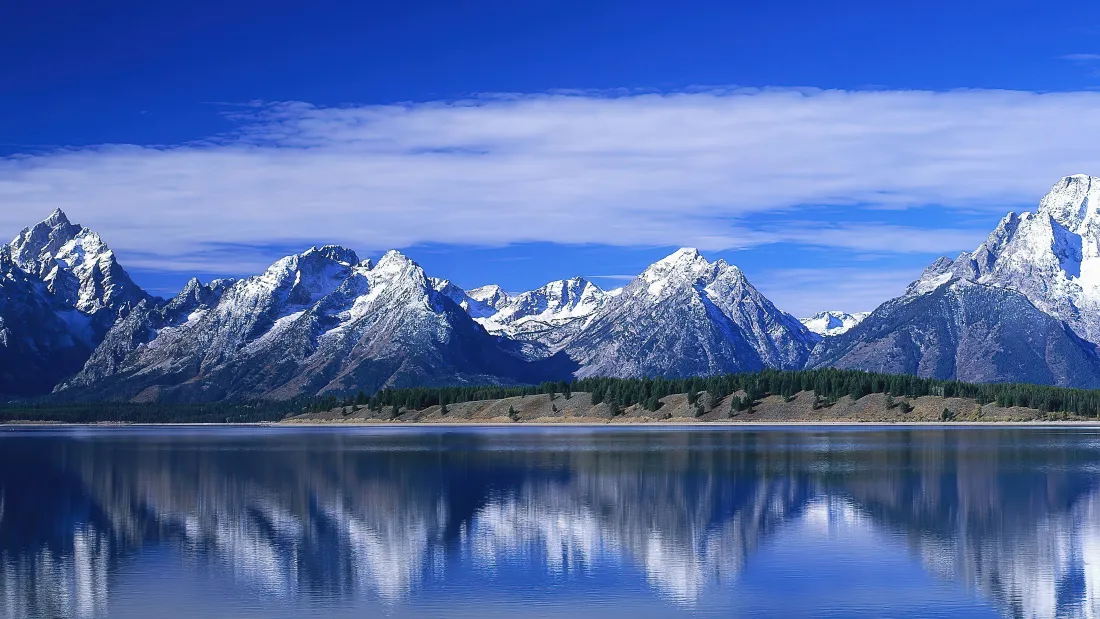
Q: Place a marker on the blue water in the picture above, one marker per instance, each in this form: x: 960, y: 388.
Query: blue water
x: 536, y: 522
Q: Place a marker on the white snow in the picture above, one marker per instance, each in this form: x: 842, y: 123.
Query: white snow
x: 1052, y: 256
x: 833, y: 322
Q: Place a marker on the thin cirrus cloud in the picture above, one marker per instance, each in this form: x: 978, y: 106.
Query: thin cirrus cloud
x: 622, y: 169
x: 1080, y: 57
x: 800, y: 290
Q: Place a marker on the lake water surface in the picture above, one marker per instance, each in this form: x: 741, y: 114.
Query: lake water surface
x: 549, y: 522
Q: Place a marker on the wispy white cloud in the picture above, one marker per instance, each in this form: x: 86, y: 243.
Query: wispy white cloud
x: 1080, y: 57
x: 689, y: 168
x: 878, y: 238
x: 804, y: 292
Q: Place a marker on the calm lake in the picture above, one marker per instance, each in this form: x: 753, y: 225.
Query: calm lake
x: 549, y: 522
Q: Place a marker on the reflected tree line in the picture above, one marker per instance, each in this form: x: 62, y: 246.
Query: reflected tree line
x: 328, y: 514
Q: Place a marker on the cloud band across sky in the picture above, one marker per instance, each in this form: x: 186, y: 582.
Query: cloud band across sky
x: 626, y: 169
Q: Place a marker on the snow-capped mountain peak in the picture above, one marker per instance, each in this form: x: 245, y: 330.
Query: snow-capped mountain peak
x: 336, y: 253
x: 683, y: 260
x: 1073, y: 201
x: 685, y: 316
x: 393, y: 263
x: 561, y: 299
x: 75, y: 264
x: 492, y: 295
x: 57, y: 218
x: 833, y: 322
x: 1052, y: 256
x: 685, y: 266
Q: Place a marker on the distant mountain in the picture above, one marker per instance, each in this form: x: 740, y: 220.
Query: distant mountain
x: 548, y: 316
x: 317, y: 322
x: 685, y: 316
x: 833, y: 322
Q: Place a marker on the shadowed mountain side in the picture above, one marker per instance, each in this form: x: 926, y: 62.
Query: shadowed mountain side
x: 964, y: 331
x: 41, y: 340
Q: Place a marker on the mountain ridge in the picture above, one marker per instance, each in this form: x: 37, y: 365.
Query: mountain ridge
x: 1023, y: 306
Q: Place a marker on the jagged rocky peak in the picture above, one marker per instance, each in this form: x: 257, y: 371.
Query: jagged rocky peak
x: 576, y: 295
x: 293, y: 281
x: 935, y: 275
x: 1051, y: 256
x: 75, y: 264
x: 37, y: 247
x: 684, y: 266
x: 396, y: 265
x: 686, y: 316
x: 1073, y: 201
x: 196, y: 294
x: 336, y: 253
x: 833, y: 322
x: 537, y: 314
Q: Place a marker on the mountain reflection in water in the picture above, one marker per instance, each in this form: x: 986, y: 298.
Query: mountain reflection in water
x: 1005, y: 520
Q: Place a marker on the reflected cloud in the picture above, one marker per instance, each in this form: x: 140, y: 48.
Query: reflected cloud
x: 384, y: 517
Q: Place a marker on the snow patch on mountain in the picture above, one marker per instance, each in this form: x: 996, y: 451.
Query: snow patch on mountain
x: 1051, y: 256
x: 686, y: 316
x: 76, y: 266
x: 311, y: 323
x: 832, y: 322
x: 556, y: 304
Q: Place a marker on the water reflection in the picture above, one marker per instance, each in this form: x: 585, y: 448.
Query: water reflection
x: 1010, y: 516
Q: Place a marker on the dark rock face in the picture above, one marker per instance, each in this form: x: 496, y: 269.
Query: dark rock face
x: 965, y: 331
x: 41, y: 340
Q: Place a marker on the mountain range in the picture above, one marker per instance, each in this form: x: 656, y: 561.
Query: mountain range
x: 1024, y: 307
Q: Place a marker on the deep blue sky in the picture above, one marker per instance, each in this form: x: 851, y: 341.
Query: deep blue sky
x: 78, y: 74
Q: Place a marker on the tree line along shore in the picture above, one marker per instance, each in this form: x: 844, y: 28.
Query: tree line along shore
x: 769, y: 395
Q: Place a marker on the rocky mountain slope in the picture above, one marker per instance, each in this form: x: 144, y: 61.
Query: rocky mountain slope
x: 61, y: 290
x: 1023, y: 307
x: 42, y: 340
x: 1051, y: 256
x: 685, y: 316
x: 315, y: 322
x: 966, y: 331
